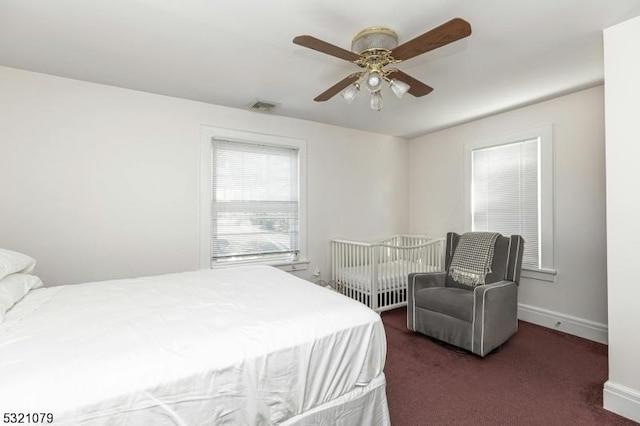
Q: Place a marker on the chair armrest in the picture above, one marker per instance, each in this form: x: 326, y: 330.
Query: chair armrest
x: 417, y: 281
x: 500, y: 286
x: 495, y: 315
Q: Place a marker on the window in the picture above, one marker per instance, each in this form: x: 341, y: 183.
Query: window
x: 255, y: 199
x: 504, y: 193
x: 509, y: 190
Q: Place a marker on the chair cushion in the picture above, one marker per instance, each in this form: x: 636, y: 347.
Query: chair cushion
x: 455, y: 302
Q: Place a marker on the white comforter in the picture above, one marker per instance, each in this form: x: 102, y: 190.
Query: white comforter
x: 251, y: 345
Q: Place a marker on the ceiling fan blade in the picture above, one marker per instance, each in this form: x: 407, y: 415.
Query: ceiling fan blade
x: 324, y: 47
x: 337, y: 88
x: 417, y: 88
x: 446, y: 33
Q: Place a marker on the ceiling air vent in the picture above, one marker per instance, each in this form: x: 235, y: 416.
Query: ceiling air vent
x: 263, y: 106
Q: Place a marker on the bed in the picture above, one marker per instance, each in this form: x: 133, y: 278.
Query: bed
x: 376, y: 273
x: 247, y: 345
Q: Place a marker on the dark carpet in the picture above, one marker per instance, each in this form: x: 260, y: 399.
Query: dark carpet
x: 539, y: 377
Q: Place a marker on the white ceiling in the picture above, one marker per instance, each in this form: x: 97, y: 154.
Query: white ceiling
x: 232, y: 52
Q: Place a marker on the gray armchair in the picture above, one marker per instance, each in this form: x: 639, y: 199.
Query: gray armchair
x: 478, y: 319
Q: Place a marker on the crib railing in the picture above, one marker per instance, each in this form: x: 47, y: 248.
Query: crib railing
x: 376, y: 273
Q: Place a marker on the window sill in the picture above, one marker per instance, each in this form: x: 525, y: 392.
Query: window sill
x: 295, y: 266
x: 287, y: 266
x: 540, y: 274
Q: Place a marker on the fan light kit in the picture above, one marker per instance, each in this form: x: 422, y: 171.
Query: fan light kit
x: 372, y: 49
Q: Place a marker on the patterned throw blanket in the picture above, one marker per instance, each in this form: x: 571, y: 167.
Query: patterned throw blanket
x: 472, y: 259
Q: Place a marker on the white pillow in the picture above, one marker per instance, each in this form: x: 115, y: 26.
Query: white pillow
x: 13, y: 288
x: 12, y: 262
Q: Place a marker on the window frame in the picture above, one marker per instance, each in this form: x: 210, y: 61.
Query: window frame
x: 208, y: 134
x: 546, y: 188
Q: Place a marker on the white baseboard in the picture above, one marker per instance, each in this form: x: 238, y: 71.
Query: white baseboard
x: 621, y: 400
x: 580, y: 327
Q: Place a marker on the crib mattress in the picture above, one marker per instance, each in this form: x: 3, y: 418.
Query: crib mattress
x: 392, y: 275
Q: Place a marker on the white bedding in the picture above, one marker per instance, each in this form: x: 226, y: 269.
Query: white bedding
x: 251, y: 345
x: 391, y: 275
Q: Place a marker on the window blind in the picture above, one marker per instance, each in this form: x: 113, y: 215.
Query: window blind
x: 505, y: 193
x: 255, y: 212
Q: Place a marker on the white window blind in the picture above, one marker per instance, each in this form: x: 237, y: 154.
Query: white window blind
x: 505, y: 193
x: 255, y: 208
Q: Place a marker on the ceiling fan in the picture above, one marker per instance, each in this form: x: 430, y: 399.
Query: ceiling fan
x: 372, y: 49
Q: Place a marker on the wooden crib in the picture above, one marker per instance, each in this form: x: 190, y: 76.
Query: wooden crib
x: 376, y: 273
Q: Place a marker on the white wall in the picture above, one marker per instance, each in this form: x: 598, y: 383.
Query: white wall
x: 578, y: 297
x: 99, y: 182
x: 622, y: 102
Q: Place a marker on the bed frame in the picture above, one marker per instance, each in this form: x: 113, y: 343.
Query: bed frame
x: 376, y: 273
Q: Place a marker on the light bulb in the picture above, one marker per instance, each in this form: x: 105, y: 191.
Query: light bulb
x: 399, y: 87
x: 350, y: 93
x: 374, y: 81
x: 376, y: 101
